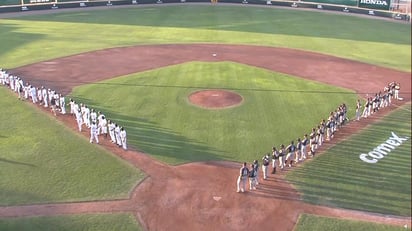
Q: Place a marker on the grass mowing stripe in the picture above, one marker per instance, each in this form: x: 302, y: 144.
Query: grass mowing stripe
x: 319, y: 223
x: 339, y: 178
x: 169, y: 128
x: 90, y: 222
x: 46, y: 162
x: 372, y: 41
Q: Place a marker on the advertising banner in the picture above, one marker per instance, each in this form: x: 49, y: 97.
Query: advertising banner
x: 375, y: 4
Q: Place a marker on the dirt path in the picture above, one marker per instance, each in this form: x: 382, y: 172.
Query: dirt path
x: 201, y: 196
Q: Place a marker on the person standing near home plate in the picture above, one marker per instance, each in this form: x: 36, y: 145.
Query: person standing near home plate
x: 242, y: 178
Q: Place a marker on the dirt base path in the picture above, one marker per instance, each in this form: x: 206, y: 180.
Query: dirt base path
x: 201, y: 196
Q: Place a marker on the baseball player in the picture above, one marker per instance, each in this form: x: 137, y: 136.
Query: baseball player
x: 53, y: 105
x: 111, y: 127
x: 93, y: 133
x: 291, y: 148
x: 252, y: 176
x: 44, y: 97
x: 275, y: 159
x: 397, y: 88
x: 100, y: 117
x: 282, y: 156
x: 71, y: 103
x: 26, y: 89
x: 242, y: 178
x: 39, y: 96
x: 93, y: 116
x: 33, y: 94
x: 298, y: 155
x: 117, y: 135
x: 312, y: 142
x: 305, y: 142
x: 86, y: 116
x: 256, y: 166
x: 103, y: 126
x: 123, y: 138
x: 358, y: 108
x: 79, y: 119
x: 265, y: 166
x: 62, y: 104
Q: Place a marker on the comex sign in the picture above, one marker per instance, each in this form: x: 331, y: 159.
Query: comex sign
x: 383, y: 149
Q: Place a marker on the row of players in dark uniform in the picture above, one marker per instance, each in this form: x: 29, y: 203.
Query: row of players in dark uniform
x: 380, y: 100
x: 287, y: 156
x: 295, y: 151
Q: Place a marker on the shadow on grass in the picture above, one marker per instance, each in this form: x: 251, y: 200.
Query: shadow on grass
x: 232, y: 19
x: 11, y: 39
x: 10, y: 197
x: 162, y: 143
x: 16, y: 162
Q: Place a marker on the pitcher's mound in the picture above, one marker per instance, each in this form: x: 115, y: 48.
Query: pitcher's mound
x: 215, y: 99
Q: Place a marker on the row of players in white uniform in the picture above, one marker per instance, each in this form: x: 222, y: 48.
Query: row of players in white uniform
x: 98, y: 124
x: 294, y: 153
x: 95, y: 121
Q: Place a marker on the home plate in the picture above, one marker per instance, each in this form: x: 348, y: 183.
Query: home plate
x: 217, y: 198
x: 215, y: 95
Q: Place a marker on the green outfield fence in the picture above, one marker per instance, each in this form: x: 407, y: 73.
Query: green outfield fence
x: 384, y: 8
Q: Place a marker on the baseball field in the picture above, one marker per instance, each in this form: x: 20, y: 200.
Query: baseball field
x: 199, y: 89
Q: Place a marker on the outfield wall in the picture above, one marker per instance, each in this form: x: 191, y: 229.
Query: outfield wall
x: 61, y: 4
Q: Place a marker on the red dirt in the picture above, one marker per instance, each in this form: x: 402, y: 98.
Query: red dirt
x: 201, y: 196
x: 215, y: 99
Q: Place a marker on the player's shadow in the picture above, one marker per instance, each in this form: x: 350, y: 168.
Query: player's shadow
x: 148, y: 137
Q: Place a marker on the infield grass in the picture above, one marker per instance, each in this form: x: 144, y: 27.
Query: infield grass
x: 309, y: 222
x: 43, y: 161
x: 36, y: 38
x: 338, y: 178
x: 89, y: 222
x: 153, y: 107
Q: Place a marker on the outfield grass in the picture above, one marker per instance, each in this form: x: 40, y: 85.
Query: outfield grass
x: 89, y: 222
x: 35, y: 38
x: 338, y: 178
x: 154, y: 109
x: 42, y: 161
x: 308, y: 222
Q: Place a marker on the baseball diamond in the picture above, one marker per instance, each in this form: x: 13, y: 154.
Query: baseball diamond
x: 201, y: 195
